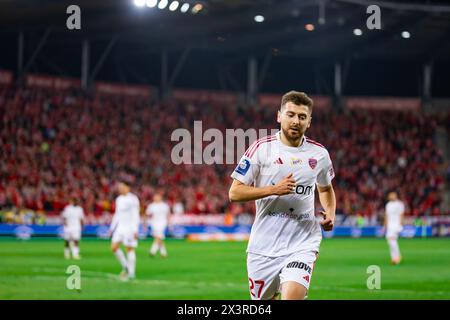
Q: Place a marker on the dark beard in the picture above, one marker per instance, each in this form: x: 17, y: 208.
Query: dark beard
x: 293, y: 139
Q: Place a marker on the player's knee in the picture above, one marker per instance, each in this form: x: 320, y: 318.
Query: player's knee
x: 293, y: 291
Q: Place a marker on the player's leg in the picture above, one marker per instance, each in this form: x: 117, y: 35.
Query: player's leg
x: 263, y: 276
x: 115, y: 248
x: 76, y: 236
x: 131, y: 244
x: 75, y: 250
x: 394, y: 248
x: 162, y: 249
x: 66, y: 249
x: 296, y: 275
x: 155, y: 244
x: 154, y: 248
x: 291, y: 290
x: 131, y: 262
x: 162, y: 236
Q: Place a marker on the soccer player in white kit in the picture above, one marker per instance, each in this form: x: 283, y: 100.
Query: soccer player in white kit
x: 393, y: 222
x: 281, y: 172
x: 158, y: 212
x: 73, y: 217
x: 124, y: 230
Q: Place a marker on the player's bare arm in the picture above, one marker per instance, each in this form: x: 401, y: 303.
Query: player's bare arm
x: 240, y: 192
x: 328, y: 201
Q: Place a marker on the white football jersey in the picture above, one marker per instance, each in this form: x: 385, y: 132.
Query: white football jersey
x: 285, y: 224
x: 126, y: 217
x: 160, y: 212
x: 73, y: 216
x: 394, y: 211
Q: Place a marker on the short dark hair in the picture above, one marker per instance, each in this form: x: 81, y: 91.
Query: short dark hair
x: 298, y: 98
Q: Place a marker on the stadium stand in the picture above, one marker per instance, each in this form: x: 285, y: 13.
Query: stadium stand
x: 51, y: 149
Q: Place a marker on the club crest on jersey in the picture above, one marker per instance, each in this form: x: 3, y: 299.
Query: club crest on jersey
x: 312, y: 163
x: 296, y: 161
x: 243, y: 167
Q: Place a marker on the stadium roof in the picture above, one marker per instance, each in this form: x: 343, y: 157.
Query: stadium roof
x: 228, y: 27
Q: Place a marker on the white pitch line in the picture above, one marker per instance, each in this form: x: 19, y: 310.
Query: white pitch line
x: 145, y: 281
x: 103, y: 275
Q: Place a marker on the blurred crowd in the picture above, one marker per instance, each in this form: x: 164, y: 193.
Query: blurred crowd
x: 55, y: 145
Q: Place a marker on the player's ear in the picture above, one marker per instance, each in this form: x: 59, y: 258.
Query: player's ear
x: 279, y: 116
x: 309, y: 123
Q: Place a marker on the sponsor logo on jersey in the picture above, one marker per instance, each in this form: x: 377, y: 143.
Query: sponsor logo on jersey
x: 299, y: 265
x: 291, y: 215
x: 300, y: 189
x: 278, y: 161
x: 296, y: 161
x: 243, y: 167
x: 312, y: 163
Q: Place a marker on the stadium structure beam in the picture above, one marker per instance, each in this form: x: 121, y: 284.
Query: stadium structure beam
x: 252, y: 80
x: 164, y: 73
x: 221, y: 78
x: 264, y: 68
x: 178, y: 66
x: 427, y: 78
x: 35, y: 53
x: 102, y: 59
x: 85, y: 64
x: 20, y: 50
x: 338, y: 79
x: 233, y: 81
x: 347, y: 63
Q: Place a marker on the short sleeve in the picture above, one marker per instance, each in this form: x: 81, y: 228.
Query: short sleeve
x: 248, y: 168
x: 326, y: 173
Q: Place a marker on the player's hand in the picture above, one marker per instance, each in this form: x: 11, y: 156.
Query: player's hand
x: 135, y: 236
x: 328, y: 221
x: 285, y: 186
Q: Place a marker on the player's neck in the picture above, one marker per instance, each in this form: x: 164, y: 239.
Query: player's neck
x: 290, y: 142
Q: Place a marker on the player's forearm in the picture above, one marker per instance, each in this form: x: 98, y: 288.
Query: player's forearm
x: 242, y: 193
x: 328, y: 201
x: 113, y: 223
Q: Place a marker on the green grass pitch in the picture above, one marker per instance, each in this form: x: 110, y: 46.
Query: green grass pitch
x: 35, y: 269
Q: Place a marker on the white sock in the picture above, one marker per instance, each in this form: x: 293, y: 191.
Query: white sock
x: 67, y: 252
x: 163, y: 250
x: 75, y: 251
x: 395, y: 250
x: 131, y: 263
x: 121, y: 257
x: 154, y: 248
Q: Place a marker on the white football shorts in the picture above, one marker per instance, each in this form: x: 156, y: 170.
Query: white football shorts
x: 267, y: 274
x: 159, y: 230
x: 393, y: 233
x: 72, y: 234
x: 125, y: 237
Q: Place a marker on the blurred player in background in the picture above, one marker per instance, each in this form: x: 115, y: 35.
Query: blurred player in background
x: 393, y: 222
x: 281, y: 172
x: 73, y: 218
x: 124, y: 229
x: 158, y: 212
